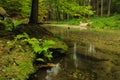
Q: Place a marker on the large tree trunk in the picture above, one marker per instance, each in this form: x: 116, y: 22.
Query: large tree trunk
x: 109, y: 7
x: 34, y: 12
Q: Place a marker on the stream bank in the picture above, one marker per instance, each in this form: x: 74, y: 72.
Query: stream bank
x: 17, y: 58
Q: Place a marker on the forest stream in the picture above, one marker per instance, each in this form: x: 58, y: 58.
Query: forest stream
x: 92, y: 55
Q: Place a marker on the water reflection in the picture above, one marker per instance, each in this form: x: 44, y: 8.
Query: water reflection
x: 71, y: 67
x: 75, y: 56
x: 52, y: 72
x: 91, y: 48
x: 80, y: 63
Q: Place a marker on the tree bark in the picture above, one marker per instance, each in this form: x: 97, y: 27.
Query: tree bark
x: 101, y: 7
x: 97, y: 7
x: 34, y: 12
x: 109, y: 7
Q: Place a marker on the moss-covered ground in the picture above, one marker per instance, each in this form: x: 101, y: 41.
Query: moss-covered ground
x: 17, y: 58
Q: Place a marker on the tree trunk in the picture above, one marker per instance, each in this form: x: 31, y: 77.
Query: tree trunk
x: 109, y: 7
x: 34, y: 12
x: 57, y: 14
x: 89, y: 1
x: 101, y: 7
x: 97, y: 7
x: 50, y: 10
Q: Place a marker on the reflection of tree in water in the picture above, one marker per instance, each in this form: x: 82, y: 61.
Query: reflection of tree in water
x: 52, y: 72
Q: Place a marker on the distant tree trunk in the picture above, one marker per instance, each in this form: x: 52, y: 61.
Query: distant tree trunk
x: 34, y: 12
x: 83, y: 2
x: 57, y: 14
x: 109, y: 7
x: 93, y: 4
x: 89, y: 1
x: 49, y: 15
x: 64, y: 16
x: 101, y: 7
x: 50, y: 10
x: 97, y: 7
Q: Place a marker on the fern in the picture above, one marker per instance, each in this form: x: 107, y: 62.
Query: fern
x: 38, y: 46
x: 21, y: 36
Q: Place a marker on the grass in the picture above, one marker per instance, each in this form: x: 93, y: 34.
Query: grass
x: 70, y: 22
x: 104, y: 22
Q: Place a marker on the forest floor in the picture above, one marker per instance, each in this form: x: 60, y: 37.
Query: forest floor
x: 16, y: 64
x: 16, y: 58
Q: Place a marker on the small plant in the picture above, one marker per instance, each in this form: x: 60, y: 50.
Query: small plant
x: 10, y: 25
x: 39, y: 46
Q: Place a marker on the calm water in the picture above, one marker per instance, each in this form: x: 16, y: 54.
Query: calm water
x: 81, y: 63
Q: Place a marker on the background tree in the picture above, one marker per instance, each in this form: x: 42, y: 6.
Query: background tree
x: 42, y: 11
x: 101, y: 7
x: 59, y: 9
x: 34, y: 12
x: 109, y: 7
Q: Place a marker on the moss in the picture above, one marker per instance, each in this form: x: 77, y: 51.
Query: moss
x: 16, y: 64
x: 17, y: 59
x: 60, y: 44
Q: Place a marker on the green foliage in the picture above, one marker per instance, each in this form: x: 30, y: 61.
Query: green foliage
x: 17, y: 7
x: 42, y: 11
x: 45, y: 46
x: 13, y: 7
x: 62, y: 9
x: 70, y: 22
x: 17, y: 23
x: 106, y: 22
x: 7, y: 24
x: 16, y: 66
x: 25, y: 9
x: 10, y: 25
x: 21, y: 36
x: 39, y: 46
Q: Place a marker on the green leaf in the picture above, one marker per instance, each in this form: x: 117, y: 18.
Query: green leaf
x: 20, y: 36
x: 49, y: 57
x: 48, y: 43
x: 40, y: 59
x: 37, y: 48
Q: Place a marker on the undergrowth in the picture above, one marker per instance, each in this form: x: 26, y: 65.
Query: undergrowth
x: 39, y: 46
x: 106, y: 22
x: 10, y: 25
x: 19, y: 54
